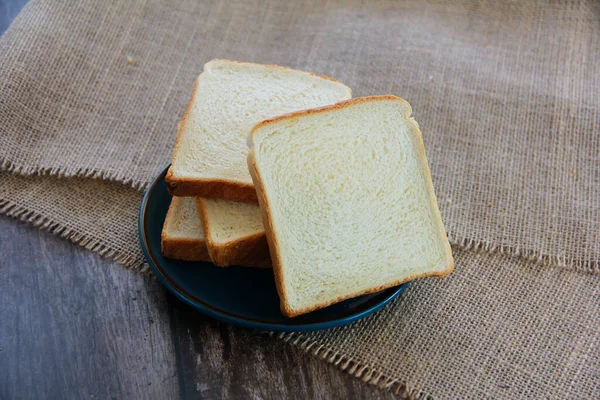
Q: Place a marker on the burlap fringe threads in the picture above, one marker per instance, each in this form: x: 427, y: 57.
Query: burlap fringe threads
x: 365, y: 373
x: 75, y: 173
x: 46, y: 224
x: 529, y: 255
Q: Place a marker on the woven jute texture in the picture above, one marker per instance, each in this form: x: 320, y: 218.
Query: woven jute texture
x: 498, y: 328
x: 101, y: 216
x: 507, y: 96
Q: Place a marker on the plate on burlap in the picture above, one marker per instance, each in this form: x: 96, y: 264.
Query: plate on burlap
x: 237, y: 295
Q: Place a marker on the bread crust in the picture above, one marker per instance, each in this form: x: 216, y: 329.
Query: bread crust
x: 217, y: 188
x: 182, y: 249
x: 212, y: 189
x: 185, y: 249
x: 249, y: 251
x: 274, y: 66
x: 286, y: 309
x: 337, y: 106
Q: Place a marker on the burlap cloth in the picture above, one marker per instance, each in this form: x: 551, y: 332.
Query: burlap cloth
x: 508, y: 99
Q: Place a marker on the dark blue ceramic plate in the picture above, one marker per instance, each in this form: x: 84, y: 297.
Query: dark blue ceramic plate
x: 238, y: 295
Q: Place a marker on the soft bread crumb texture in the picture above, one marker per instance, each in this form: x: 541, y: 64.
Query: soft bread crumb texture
x: 348, y: 200
x: 229, y: 99
x: 229, y: 221
x: 183, y: 221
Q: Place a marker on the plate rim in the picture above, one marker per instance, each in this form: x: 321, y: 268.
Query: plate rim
x: 223, y: 316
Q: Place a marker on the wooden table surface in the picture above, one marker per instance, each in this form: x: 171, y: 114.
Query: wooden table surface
x: 74, y: 325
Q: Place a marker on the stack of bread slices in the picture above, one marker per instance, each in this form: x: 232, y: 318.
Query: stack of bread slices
x: 279, y: 167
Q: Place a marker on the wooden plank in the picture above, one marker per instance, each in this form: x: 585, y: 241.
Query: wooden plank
x: 225, y: 362
x: 74, y: 325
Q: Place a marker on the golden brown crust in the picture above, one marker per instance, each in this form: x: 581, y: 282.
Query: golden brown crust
x: 319, y: 110
x: 185, y: 249
x: 212, y: 189
x: 269, y: 232
x: 170, y: 211
x: 249, y: 251
x: 282, y: 68
x: 432, y: 196
x: 181, y: 249
x: 288, y: 312
x: 180, y: 126
x: 265, y: 208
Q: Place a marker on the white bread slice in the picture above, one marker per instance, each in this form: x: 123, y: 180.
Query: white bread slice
x: 234, y: 232
x: 347, y: 200
x: 182, y: 236
x: 229, y: 97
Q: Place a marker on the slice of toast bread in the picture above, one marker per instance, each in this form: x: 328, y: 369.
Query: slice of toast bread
x: 229, y: 97
x: 347, y: 200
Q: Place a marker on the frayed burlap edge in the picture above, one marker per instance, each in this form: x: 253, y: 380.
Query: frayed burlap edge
x: 47, y: 224
x: 463, y: 243
x: 364, y: 372
x: 580, y: 265
x: 74, y: 173
x: 535, y: 256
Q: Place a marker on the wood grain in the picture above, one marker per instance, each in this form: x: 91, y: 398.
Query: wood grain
x: 75, y: 325
x: 225, y: 362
